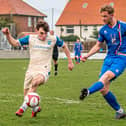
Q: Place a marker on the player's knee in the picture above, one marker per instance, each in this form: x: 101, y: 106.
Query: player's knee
x: 104, y: 91
x: 105, y: 78
x: 34, y: 83
x: 37, y: 82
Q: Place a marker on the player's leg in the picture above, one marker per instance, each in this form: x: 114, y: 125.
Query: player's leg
x: 76, y: 57
x: 108, y: 96
x: 117, y: 68
x: 78, y: 60
x: 113, y: 103
x: 35, y: 110
x: 55, y: 67
x: 37, y: 81
x: 26, y: 91
x: 79, y: 56
x: 27, y: 82
x: 114, y: 71
x: 55, y: 61
x: 97, y: 85
x: 24, y: 106
x: 30, y: 85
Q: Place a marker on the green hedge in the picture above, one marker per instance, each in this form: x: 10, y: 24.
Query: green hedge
x: 70, y: 38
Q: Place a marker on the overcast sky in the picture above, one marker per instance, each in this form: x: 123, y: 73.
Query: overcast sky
x: 46, y: 6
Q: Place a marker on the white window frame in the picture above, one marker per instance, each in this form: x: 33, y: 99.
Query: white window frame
x: 35, y: 21
x: 70, y: 28
x: 29, y: 22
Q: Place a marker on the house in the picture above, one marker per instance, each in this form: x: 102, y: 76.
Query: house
x: 82, y: 17
x: 21, y: 14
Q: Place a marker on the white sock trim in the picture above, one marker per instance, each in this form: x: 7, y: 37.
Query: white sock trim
x: 35, y: 109
x: 120, y: 110
x: 88, y: 93
x: 24, y: 106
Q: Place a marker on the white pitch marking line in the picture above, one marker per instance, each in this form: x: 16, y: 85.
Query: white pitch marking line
x: 68, y: 101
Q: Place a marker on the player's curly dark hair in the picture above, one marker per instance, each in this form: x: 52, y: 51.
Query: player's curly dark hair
x: 44, y: 25
x: 107, y: 8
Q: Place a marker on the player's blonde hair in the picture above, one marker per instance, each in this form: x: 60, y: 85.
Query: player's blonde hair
x: 107, y: 8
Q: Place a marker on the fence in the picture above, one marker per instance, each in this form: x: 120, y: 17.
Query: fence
x: 3, y: 42
x: 87, y: 46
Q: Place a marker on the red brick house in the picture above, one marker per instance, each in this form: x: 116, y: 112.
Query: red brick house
x: 82, y: 17
x: 23, y: 15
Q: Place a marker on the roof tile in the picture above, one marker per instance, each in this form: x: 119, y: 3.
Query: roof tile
x: 18, y: 7
x: 86, y: 12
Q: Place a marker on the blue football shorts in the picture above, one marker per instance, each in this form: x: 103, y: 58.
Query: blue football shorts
x: 116, y: 65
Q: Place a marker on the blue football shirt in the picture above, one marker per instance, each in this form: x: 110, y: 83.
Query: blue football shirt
x: 114, y: 37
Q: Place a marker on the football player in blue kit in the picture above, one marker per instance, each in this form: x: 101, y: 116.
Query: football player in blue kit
x: 114, y: 34
x: 78, y: 47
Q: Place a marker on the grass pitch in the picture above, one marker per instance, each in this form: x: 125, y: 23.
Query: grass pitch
x: 59, y: 96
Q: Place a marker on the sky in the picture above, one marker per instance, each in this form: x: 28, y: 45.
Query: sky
x: 52, y: 8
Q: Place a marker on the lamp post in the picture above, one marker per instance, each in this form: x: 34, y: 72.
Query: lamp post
x: 80, y: 24
x: 52, y: 18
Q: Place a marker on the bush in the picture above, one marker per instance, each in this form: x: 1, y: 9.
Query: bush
x: 70, y: 38
x: 4, y: 22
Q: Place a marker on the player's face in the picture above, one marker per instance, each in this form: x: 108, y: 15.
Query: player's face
x: 42, y: 34
x: 51, y: 32
x: 106, y: 17
x: 78, y: 40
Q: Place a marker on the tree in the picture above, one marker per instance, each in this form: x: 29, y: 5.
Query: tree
x: 4, y: 22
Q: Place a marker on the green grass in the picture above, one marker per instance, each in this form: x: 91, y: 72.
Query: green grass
x: 60, y: 103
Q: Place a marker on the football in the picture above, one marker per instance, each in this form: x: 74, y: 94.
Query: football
x: 32, y: 99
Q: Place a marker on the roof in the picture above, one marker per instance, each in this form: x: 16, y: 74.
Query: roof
x: 18, y: 7
x: 86, y: 12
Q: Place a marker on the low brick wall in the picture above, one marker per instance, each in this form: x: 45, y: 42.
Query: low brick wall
x: 10, y: 54
x: 6, y: 54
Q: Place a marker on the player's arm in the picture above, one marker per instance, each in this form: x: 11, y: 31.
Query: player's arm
x: 14, y: 42
x: 67, y: 52
x: 96, y: 47
x: 10, y: 39
x: 93, y: 50
x: 61, y: 43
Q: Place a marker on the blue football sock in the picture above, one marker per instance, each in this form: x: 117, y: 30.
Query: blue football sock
x: 79, y: 60
x: 111, y: 100
x: 95, y: 87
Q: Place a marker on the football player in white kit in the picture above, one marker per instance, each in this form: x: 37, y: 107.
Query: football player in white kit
x: 40, y: 49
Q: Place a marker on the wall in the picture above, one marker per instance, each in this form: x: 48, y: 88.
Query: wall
x: 22, y: 23
x: 8, y: 54
x: 85, y: 33
x: 21, y: 54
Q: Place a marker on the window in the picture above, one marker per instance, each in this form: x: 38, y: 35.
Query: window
x: 85, y: 28
x: 29, y: 22
x: 35, y: 22
x: 94, y: 27
x: 70, y: 29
